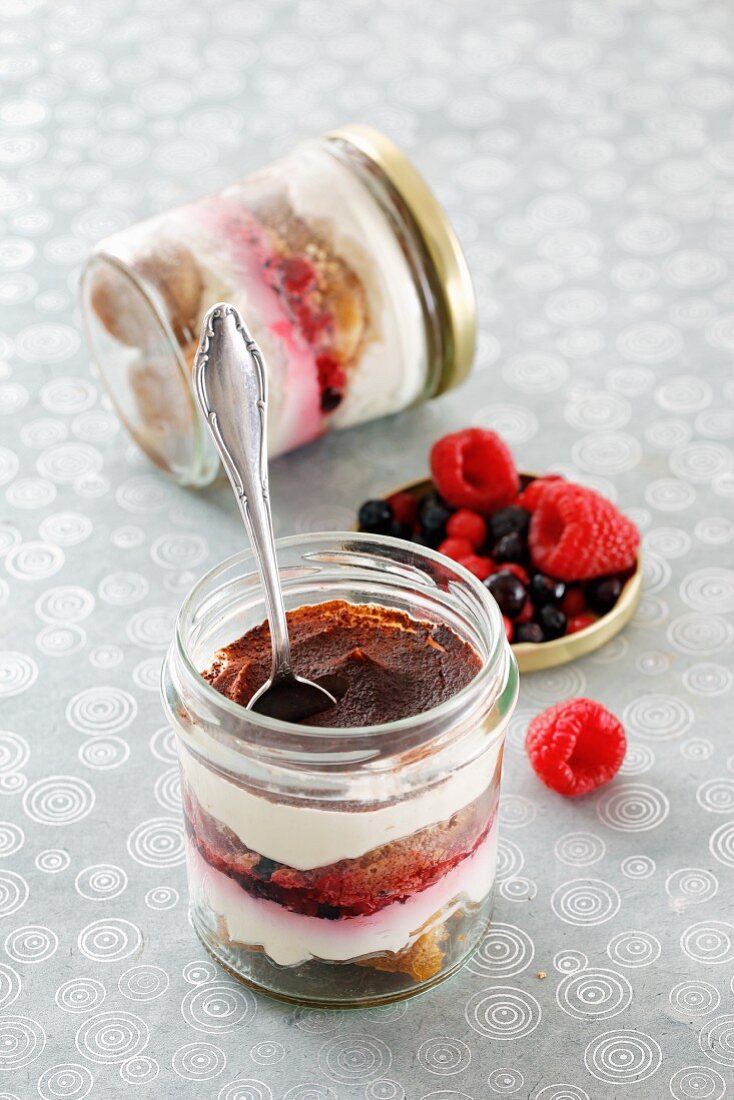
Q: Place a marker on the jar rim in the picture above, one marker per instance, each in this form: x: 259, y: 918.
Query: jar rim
x: 194, y: 473
x: 497, y: 647
x: 454, y: 282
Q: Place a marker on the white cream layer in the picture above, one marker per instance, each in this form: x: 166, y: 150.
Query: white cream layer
x: 290, y: 938
x: 391, y: 372
x: 305, y: 837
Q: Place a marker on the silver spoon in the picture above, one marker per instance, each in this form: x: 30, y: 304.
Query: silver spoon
x: 230, y: 383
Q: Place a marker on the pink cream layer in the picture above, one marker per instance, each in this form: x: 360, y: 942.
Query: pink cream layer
x: 291, y: 938
x: 294, y: 375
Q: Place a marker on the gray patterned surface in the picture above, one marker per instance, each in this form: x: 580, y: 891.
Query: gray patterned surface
x: 585, y: 151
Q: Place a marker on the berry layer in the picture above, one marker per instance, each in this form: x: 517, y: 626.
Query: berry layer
x: 292, y: 938
x: 350, y: 887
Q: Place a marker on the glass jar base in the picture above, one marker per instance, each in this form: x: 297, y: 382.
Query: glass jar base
x: 333, y: 985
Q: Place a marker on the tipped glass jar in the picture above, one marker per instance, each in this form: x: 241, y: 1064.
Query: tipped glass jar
x: 351, y: 866
x: 346, y: 271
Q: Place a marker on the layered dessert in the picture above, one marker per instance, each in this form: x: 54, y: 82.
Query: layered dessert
x: 307, y: 255
x: 392, y: 884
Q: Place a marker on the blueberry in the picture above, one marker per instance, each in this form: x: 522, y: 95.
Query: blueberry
x: 509, y: 592
x: 506, y: 520
x: 264, y: 868
x: 375, y: 517
x: 331, y: 399
x: 603, y: 593
x: 328, y: 912
x: 433, y: 514
x: 511, y: 547
x: 400, y: 530
x: 552, y: 621
x: 545, y: 590
x: 527, y: 632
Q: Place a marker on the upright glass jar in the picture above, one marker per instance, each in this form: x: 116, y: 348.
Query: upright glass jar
x: 340, y: 867
x: 342, y: 264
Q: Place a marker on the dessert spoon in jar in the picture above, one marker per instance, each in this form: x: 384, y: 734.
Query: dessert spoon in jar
x: 230, y: 383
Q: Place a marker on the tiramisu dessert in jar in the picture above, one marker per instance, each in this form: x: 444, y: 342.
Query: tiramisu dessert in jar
x: 349, y: 861
x: 343, y: 265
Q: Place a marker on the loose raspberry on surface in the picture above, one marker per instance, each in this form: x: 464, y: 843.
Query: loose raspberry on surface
x: 507, y: 623
x: 579, y: 622
x: 456, y: 548
x: 469, y: 525
x: 575, y: 746
x: 531, y: 494
x: 474, y: 469
x: 577, y: 534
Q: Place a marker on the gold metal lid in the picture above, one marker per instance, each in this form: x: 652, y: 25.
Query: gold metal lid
x: 453, y: 285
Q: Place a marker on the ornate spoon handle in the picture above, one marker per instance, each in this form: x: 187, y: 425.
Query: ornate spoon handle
x: 230, y: 383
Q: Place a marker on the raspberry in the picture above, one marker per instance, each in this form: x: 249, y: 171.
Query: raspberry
x: 480, y: 567
x: 576, y: 534
x: 579, y: 622
x: 297, y: 273
x: 458, y: 549
x: 404, y: 507
x: 313, y: 325
x: 469, y: 525
x: 507, y: 623
x: 528, y: 610
x: 573, y: 603
x: 331, y: 375
x: 474, y: 469
x: 332, y: 381
x: 575, y: 746
x: 531, y: 494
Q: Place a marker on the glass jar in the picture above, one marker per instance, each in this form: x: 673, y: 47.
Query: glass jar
x: 287, y: 824
x: 344, y: 268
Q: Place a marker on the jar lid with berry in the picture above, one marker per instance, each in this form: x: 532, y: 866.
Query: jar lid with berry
x: 343, y: 265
